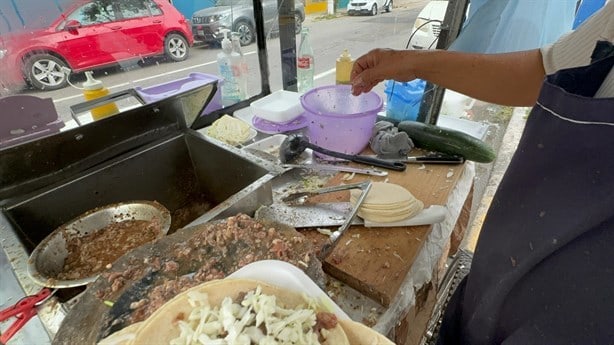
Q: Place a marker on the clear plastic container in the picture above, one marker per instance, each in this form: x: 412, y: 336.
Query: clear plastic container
x: 280, y: 107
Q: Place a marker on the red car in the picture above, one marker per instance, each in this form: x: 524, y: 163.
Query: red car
x: 91, y: 35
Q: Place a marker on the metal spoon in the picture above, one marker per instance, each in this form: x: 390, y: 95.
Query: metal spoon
x: 295, y: 144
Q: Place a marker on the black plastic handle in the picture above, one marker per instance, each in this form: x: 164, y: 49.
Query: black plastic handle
x: 382, y: 163
x: 436, y: 159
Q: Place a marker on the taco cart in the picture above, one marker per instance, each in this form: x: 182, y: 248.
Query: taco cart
x: 380, y: 276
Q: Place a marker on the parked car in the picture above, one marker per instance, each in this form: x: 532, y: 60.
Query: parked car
x: 91, y: 35
x: 428, y: 25
x: 238, y: 16
x: 370, y: 7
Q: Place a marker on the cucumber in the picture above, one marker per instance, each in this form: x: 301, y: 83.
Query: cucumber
x: 448, y: 141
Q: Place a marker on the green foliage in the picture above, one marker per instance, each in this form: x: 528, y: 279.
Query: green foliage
x: 328, y: 16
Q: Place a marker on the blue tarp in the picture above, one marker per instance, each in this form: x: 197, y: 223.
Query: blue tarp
x: 188, y: 7
x: 497, y: 26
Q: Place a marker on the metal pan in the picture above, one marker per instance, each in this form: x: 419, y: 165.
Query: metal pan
x: 48, y: 258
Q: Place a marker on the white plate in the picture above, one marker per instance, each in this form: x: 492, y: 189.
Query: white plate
x: 252, y: 135
x: 283, y: 274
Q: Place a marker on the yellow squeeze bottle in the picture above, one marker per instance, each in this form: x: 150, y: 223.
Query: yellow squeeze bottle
x: 344, y: 67
x: 93, y: 89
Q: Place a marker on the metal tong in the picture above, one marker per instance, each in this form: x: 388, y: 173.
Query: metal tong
x: 23, y: 311
x: 300, y: 197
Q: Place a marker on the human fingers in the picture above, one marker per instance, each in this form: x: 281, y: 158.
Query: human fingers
x: 371, y: 69
x: 360, y: 78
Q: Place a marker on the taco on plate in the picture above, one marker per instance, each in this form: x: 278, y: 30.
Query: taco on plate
x: 359, y: 334
x: 241, y: 312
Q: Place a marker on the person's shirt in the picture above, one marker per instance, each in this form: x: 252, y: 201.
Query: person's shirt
x: 575, y: 48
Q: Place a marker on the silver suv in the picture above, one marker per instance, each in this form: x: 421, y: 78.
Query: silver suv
x: 238, y: 16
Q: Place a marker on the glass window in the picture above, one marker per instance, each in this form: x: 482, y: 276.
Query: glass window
x: 154, y: 9
x: 183, y: 47
x: 93, y: 13
x: 138, y: 9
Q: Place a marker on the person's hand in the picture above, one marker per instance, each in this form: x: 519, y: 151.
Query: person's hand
x: 378, y: 65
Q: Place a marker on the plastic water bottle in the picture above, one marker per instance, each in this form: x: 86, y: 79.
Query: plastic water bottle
x: 305, y: 63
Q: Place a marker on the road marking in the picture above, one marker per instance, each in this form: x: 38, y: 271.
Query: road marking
x: 324, y: 74
x: 148, y: 78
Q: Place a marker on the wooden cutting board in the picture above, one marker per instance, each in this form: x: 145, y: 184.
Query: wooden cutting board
x: 375, y: 261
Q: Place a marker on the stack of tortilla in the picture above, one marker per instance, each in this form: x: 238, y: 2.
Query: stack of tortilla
x: 163, y: 327
x: 387, y: 202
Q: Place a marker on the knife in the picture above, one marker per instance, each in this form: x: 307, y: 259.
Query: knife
x: 317, y: 167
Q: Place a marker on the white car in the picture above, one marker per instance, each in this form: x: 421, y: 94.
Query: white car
x: 370, y: 7
x: 428, y: 25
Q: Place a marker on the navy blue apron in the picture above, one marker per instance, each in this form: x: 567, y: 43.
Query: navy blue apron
x: 543, y: 269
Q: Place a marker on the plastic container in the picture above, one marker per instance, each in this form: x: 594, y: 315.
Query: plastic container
x: 403, y: 99
x: 339, y: 121
x: 343, y: 68
x: 280, y: 107
x: 92, y: 89
x: 157, y: 92
x: 229, y: 63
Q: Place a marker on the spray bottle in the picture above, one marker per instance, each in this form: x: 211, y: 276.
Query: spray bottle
x: 92, y: 89
x: 344, y: 67
x: 229, y: 64
x: 243, y: 68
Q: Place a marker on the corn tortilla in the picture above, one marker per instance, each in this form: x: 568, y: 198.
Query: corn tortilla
x: 161, y: 327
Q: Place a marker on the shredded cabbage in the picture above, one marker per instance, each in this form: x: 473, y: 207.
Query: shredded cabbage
x: 256, y: 320
x: 229, y: 130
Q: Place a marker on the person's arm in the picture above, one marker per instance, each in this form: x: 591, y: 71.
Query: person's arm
x: 509, y: 79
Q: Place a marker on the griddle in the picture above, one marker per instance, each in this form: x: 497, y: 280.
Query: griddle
x: 90, y: 319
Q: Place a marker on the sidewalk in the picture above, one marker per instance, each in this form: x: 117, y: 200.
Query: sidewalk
x: 488, y: 176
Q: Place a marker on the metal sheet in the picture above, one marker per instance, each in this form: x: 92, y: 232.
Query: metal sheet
x: 307, y: 216
x: 334, y: 214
